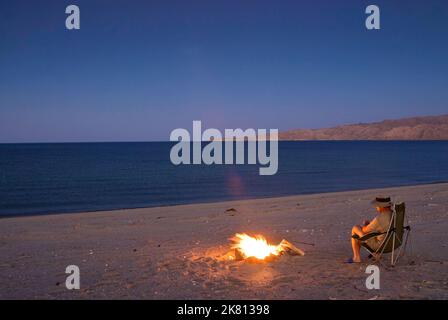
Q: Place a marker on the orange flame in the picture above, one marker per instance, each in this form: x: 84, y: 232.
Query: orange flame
x: 256, y: 246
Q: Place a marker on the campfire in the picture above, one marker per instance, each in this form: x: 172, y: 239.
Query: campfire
x: 257, y: 248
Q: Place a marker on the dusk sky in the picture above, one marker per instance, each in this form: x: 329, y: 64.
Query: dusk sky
x: 136, y: 70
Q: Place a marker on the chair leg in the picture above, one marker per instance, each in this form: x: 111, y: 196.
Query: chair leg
x: 400, y: 250
x: 376, y: 257
x: 393, y: 250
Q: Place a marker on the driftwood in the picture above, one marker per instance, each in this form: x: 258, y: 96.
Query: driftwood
x: 290, y: 248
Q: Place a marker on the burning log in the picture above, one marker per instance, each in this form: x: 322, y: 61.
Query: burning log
x: 290, y: 248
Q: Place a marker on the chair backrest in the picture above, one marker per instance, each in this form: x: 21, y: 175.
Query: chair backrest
x: 396, y: 229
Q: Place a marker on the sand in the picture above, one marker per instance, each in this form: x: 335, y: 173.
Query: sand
x: 176, y: 252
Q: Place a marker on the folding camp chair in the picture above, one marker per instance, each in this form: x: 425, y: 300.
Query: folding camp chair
x: 393, y: 240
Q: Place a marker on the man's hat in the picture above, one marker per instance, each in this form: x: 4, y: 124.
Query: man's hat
x: 382, y: 202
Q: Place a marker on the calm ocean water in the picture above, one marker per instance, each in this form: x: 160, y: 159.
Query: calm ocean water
x: 73, y: 177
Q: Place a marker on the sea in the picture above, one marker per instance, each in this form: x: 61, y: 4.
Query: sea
x: 58, y: 178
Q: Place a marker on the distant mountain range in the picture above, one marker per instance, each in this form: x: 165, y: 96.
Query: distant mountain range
x: 418, y: 128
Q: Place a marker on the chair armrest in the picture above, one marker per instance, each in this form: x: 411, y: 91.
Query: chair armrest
x: 367, y: 236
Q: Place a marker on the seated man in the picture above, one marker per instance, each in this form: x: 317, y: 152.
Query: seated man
x: 380, y: 224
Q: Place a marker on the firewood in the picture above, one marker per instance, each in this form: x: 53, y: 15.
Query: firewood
x: 288, y: 246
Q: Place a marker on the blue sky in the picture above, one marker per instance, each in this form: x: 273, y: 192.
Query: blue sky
x: 139, y: 69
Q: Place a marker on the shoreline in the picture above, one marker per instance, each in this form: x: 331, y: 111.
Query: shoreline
x: 25, y: 215
x: 175, y: 252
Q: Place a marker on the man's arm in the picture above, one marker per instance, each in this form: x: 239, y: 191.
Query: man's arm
x: 371, y: 227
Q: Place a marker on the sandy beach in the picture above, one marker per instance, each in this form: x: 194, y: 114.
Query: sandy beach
x: 176, y: 252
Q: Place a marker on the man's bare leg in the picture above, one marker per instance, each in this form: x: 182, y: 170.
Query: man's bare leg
x: 356, y: 245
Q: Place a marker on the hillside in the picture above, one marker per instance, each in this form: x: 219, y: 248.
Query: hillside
x: 417, y: 128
